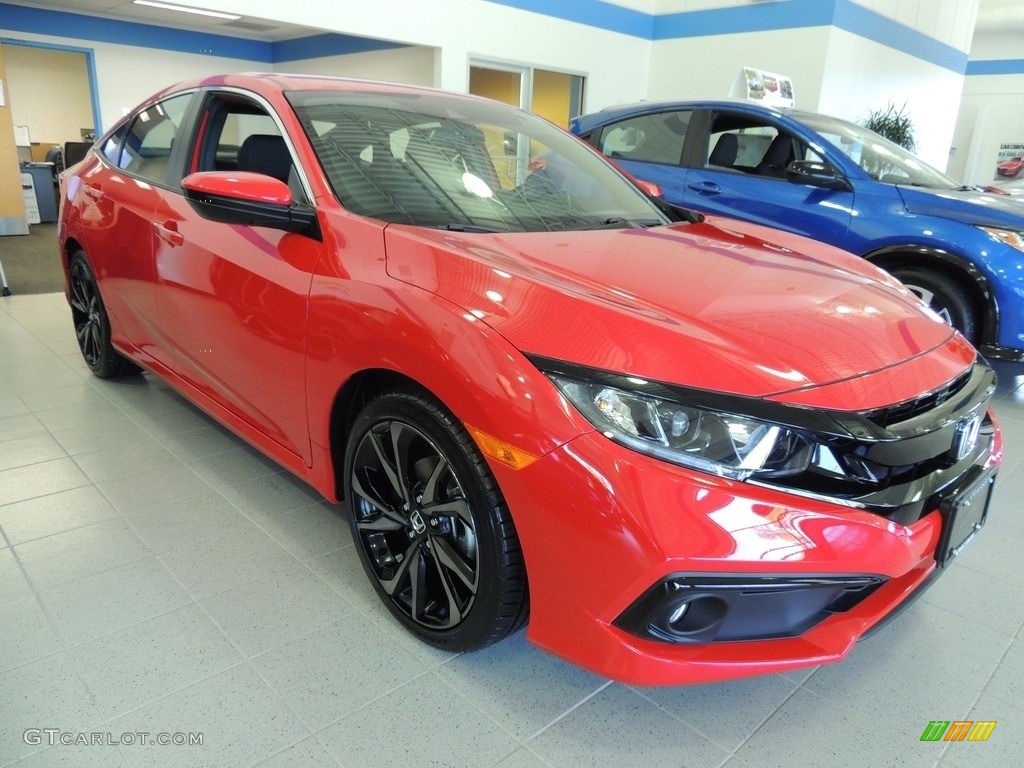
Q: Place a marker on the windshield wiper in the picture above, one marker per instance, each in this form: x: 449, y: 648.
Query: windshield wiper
x: 458, y: 226
x: 617, y: 222
x: 677, y: 212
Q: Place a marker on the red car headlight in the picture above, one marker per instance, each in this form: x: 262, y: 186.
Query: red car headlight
x: 722, y: 443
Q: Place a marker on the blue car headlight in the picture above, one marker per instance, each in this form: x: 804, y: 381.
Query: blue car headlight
x: 1010, y: 237
x: 726, y: 444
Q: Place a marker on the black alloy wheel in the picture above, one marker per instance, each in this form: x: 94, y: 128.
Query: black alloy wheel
x: 430, y: 525
x: 92, y: 326
x: 947, y: 299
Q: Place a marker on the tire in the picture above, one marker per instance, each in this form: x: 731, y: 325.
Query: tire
x: 92, y: 326
x: 431, y: 526
x: 948, y: 300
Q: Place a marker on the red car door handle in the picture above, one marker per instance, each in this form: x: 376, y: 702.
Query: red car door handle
x: 705, y: 188
x: 168, y: 232
x: 93, y: 192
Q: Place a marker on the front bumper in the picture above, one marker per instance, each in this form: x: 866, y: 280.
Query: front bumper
x: 1002, y: 354
x: 600, y: 525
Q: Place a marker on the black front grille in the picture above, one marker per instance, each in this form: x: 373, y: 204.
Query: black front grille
x: 894, y: 461
x: 901, y: 493
x: 894, y: 414
x: 904, y: 458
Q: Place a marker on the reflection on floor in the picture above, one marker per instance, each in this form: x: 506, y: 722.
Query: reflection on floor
x: 159, y: 577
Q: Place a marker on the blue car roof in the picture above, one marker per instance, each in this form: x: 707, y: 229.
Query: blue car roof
x: 585, y: 123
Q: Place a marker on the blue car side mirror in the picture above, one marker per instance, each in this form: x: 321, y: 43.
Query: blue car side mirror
x: 816, y: 174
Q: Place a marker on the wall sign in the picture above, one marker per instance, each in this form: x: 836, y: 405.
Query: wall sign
x: 1010, y: 161
x: 766, y: 87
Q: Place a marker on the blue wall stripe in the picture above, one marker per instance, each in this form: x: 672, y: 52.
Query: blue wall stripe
x: 762, y: 17
x: 996, y: 67
x: 593, y: 13
x: 765, y: 17
x: 18, y: 18
x: 76, y: 25
x: 881, y: 29
x: 327, y: 44
x: 796, y: 14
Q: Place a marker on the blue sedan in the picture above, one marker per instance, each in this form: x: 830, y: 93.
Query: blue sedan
x: 960, y: 250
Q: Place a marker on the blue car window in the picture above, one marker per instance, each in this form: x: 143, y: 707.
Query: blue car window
x: 879, y: 157
x: 749, y: 145
x: 656, y: 138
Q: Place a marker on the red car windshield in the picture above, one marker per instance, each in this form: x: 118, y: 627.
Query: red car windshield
x: 463, y: 164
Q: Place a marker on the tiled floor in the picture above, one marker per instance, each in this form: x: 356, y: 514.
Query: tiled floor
x: 158, y: 576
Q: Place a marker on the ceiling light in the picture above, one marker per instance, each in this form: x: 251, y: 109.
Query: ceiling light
x: 183, y: 9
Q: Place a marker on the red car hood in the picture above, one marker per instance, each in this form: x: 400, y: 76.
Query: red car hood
x: 712, y: 306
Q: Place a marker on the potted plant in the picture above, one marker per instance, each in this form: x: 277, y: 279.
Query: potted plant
x: 894, y: 124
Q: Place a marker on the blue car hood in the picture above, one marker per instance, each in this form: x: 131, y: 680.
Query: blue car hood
x: 967, y: 206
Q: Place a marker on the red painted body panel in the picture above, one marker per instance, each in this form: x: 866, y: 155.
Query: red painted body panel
x: 634, y: 520
x: 360, y: 319
x: 733, y: 309
x: 114, y: 215
x: 234, y: 301
x: 257, y: 186
x: 264, y: 328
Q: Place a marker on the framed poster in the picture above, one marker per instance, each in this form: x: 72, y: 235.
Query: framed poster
x: 1010, y: 161
x: 767, y: 87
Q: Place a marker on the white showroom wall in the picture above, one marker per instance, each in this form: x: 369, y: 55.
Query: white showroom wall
x: 929, y: 93
x: 681, y: 68
x: 991, y: 114
x: 992, y: 106
x: 615, y: 64
x: 861, y: 56
x: 948, y: 21
x: 412, y: 64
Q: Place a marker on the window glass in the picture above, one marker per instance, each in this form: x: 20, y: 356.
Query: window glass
x: 238, y: 126
x: 883, y: 160
x: 111, y: 148
x: 241, y: 135
x: 147, y: 146
x: 463, y: 164
x: 654, y: 138
x: 749, y: 145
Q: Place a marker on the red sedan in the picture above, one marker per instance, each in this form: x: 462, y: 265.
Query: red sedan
x: 1010, y: 167
x: 687, y: 449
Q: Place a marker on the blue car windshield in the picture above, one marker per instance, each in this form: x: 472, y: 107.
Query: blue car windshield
x: 463, y: 164
x: 883, y: 160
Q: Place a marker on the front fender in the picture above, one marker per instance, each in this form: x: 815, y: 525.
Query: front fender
x: 892, y: 256
x: 362, y: 319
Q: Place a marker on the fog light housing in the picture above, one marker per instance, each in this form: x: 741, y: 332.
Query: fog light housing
x: 695, y: 609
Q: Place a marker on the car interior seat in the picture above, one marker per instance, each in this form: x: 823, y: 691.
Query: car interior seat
x: 725, y: 151
x: 266, y: 154
x: 776, y: 158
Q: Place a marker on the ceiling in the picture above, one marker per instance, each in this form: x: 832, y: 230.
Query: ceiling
x: 250, y: 28
x: 993, y: 15
x: 1000, y: 16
